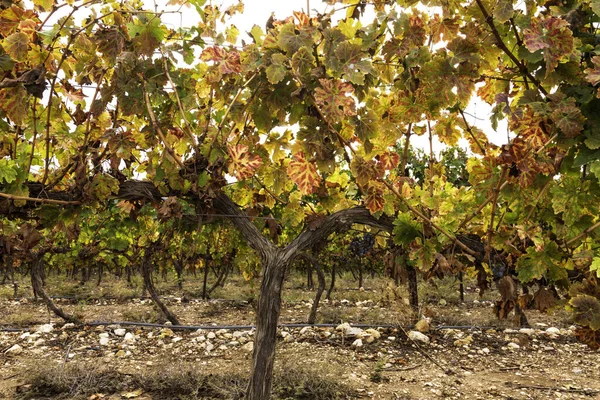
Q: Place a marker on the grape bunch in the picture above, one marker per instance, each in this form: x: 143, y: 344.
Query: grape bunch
x: 362, y: 246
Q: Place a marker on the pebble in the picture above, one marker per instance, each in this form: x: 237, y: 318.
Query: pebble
x: 373, y: 332
x: 129, y: 337
x: 527, y: 331
x: 423, y: 326
x: 464, y: 341
x: 47, y: 328
x: 211, y: 335
x: 418, y: 337
x: 104, y: 341
x: 513, y: 346
x: 14, y: 350
x: 248, y: 347
x: 304, y: 330
x: 120, y: 331
x: 553, y: 331
x: 357, y: 343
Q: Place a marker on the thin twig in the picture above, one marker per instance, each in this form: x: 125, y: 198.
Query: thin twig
x: 552, y: 388
x: 157, y: 128
x: 429, y: 221
x: 39, y: 200
x: 188, y: 129
x: 584, y: 233
x: 447, y: 371
x: 500, y: 43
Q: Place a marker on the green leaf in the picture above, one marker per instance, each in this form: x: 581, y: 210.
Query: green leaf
x: 536, y: 264
x: 349, y: 27
x: 148, y: 37
x: 504, y: 11
x: 277, y: 71
x: 198, y: 4
x: 257, y: 34
x: 405, y: 230
x: 116, y: 243
x: 353, y: 62
x: 303, y: 61
x: 595, y: 267
x: 43, y: 5
x: 593, y: 140
x: 586, y: 311
x: 8, y: 173
x: 289, y: 41
x: 595, y: 168
x: 14, y: 102
x: 6, y: 63
x: 16, y: 45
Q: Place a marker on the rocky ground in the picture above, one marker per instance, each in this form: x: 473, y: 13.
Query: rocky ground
x: 540, y: 362
x: 456, y: 351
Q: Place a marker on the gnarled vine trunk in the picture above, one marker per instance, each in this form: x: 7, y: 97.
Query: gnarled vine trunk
x: 275, y: 260
x: 267, y: 317
x: 149, y: 284
x: 38, y: 288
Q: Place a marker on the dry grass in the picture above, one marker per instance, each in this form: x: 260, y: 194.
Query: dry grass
x: 172, y: 381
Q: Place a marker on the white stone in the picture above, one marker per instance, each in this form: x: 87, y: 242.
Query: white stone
x: 69, y: 325
x: 304, y: 330
x: 343, y: 327
x: 527, y: 331
x: 120, y: 332
x: 238, y: 334
x: 513, y: 346
x: 211, y: 335
x: 14, y: 350
x: 47, y: 328
x: 373, y: 332
x: 104, y: 341
x: 177, y: 339
x: 129, y: 337
x: 357, y: 343
x: 418, y: 337
x: 39, y: 342
x: 248, y: 347
x: 553, y: 331
x: 103, y: 335
x: 209, y: 346
x: 288, y: 338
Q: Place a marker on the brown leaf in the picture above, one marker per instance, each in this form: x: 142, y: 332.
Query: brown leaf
x: 543, y: 300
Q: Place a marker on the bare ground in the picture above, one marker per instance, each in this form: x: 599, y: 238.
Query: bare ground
x: 491, y: 361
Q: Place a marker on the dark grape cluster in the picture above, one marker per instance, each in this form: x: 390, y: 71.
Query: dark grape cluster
x: 362, y: 246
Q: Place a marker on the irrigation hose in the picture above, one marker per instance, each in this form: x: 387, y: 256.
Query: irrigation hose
x: 4, y: 328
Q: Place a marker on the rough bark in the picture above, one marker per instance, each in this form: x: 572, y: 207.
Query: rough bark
x: 38, y: 289
x: 149, y: 285
x: 275, y: 261
x: 412, y: 287
x: 332, y: 284
x: 312, y: 317
x: 205, y: 280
